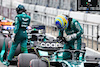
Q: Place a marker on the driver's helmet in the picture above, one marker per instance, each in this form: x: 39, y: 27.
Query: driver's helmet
x: 20, y: 9
x: 61, y: 22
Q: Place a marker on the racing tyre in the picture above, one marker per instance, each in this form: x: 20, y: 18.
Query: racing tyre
x: 25, y: 58
x: 37, y: 63
x: 2, y: 41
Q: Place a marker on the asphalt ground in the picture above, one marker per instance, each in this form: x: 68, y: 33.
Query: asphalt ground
x: 1, y: 65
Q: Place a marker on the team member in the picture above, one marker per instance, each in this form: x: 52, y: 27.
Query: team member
x: 73, y: 30
x: 22, y: 21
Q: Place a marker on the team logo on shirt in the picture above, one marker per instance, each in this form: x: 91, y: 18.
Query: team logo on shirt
x: 25, y: 19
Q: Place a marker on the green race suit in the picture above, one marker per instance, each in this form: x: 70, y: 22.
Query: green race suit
x: 22, y: 21
x: 75, y: 28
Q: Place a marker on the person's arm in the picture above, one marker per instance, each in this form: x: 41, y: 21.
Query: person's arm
x: 16, y: 25
x: 16, y: 28
x: 60, y: 33
x: 79, y: 29
x: 60, y: 36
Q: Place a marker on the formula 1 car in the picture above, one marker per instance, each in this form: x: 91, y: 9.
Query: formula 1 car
x: 50, y: 54
x: 49, y: 46
x: 47, y: 54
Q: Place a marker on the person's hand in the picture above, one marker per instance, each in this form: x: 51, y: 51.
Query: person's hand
x: 61, y: 39
x: 70, y: 37
x: 13, y: 36
x: 73, y: 35
x: 64, y: 39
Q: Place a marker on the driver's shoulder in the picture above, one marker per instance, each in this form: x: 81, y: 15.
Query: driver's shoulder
x: 75, y: 22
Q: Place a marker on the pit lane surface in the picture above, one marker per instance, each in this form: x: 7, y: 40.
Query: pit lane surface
x: 1, y: 65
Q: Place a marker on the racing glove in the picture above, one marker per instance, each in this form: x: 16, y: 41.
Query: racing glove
x: 61, y: 39
x: 13, y: 36
x: 70, y: 37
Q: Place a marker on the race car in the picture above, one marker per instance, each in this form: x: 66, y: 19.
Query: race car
x: 42, y: 50
x: 49, y: 54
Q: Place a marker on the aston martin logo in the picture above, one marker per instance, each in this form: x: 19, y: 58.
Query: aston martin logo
x: 25, y: 19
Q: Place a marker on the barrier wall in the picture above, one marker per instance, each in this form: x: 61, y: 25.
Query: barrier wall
x: 78, y: 15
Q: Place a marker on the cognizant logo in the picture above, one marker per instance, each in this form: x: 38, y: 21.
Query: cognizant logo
x: 50, y: 45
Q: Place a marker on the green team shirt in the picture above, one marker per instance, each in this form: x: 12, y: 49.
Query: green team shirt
x: 22, y: 21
